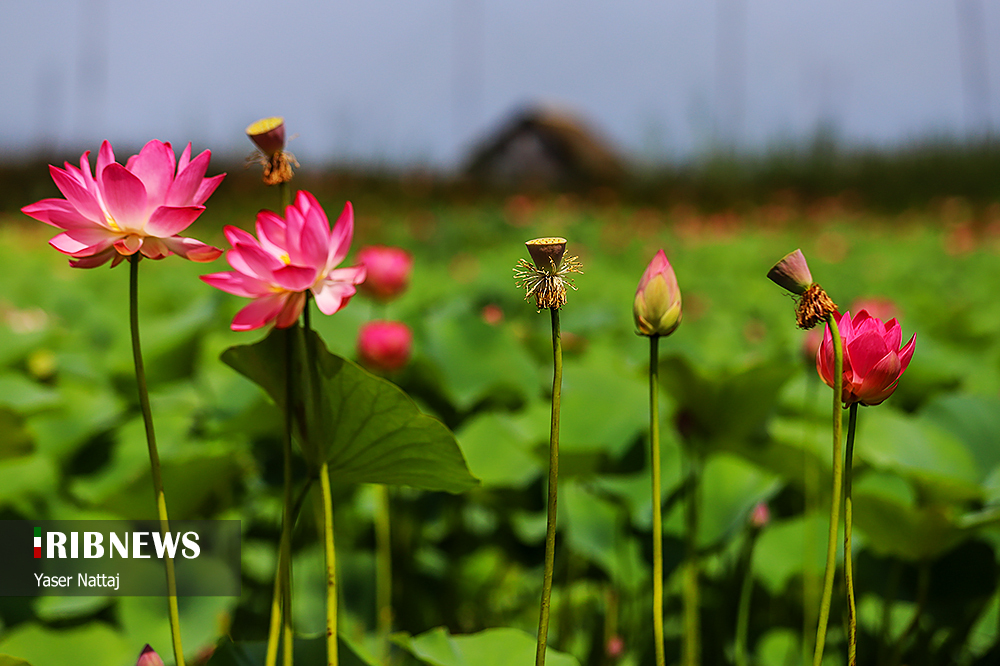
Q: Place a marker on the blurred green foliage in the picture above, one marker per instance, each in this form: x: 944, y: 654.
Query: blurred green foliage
x: 738, y: 394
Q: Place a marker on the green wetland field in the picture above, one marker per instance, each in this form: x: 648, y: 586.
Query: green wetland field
x: 738, y: 395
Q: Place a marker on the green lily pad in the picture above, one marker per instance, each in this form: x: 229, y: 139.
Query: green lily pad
x: 366, y: 428
x: 492, y: 647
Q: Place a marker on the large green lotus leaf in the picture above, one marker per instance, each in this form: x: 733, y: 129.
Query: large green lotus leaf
x: 95, y: 643
x: 308, y: 652
x: 203, y: 620
x: 27, y: 476
x: 727, y: 408
x: 596, y: 530
x: 195, y: 483
x: 910, y: 533
x: 975, y: 421
x: 367, y: 429
x: 476, y: 359
x: 86, y: 410
x: 15, y: 440
x: 25, y: 396
x: 789, y: 548
x: 730, y: 487
x: 493, y: 647
x: 604, y: 409
x: 498, y: 450
x: 6, y: 660
x: 920, y: 450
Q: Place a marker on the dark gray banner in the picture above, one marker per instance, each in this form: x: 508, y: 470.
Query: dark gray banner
x: 118, y: 558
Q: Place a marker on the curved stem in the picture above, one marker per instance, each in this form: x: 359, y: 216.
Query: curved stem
x: 654, y: 445
x: 831, y: 549
x: 331, y: 566
x: 154, y: 456
x: 550, y: 523
x: 852, y: 619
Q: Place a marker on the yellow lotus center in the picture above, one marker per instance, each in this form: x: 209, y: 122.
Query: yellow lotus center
x: 264, y: 125
x: 286, y: 259
x: 546, y: 241
x: 111, y: 222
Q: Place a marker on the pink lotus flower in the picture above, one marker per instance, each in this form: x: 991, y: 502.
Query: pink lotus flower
x: 388, y: 271
x: 385, y: 345
x: 873, y: 359
x: 121, y: 210
x: 294, y: 254
x: 657, y: 305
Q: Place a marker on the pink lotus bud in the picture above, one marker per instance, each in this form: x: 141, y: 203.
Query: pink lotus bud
x: 388, y: 271
x: 873, y: 358
x: 760, y: 516
x: 657, y: 306
x: 148, y: 657
x: 385, y: 345
x: 792, y: 273
x: 615, y: 647
x: 268, y: 134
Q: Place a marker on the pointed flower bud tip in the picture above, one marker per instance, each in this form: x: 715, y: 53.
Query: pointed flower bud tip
x: 148, y: 657
x: 657, y: 305
x: 792, y: 273
x: 268, y: 134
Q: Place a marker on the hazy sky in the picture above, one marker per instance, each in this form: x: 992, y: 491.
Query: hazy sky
x: 416, y: 81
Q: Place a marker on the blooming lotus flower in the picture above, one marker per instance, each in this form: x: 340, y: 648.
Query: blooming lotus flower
x: 120, y: 210
x: 148, y: 657
x: 388, y: 271
x: 873, y: 359
x: 657, y: 305
x: 385, y: 345
x: 290, y: 256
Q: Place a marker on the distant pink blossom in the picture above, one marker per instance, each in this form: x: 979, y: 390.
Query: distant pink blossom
x: 385, y: 345
x: 290, y: 256
x: 388, y: 271
x: 873, y: 359
x: 120, y: 210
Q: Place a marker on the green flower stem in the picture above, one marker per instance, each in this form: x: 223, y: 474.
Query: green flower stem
x: 383, y: 556
x: 154, y: 456
x: 329, y: 549
x: 281, y: 609
x: 810, y: 481
x: 286, y: 195
x: 831, y: 549
x: 852, y: 618
x: 654, y: 445
x: 331, y: 566
x: 691, y: 654
x: 746, y: 590
x: 550, y: 523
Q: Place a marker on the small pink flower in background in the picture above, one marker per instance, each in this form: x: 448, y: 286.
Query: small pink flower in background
x: 657, y: 305
x: 148, y: 657
x: 615, y: 647
x: 388, y: 271
x: 120, y: 210
x: 290, y: 256
x: 385, y: 345
x: 873, y: 359
x: 760, y: 516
